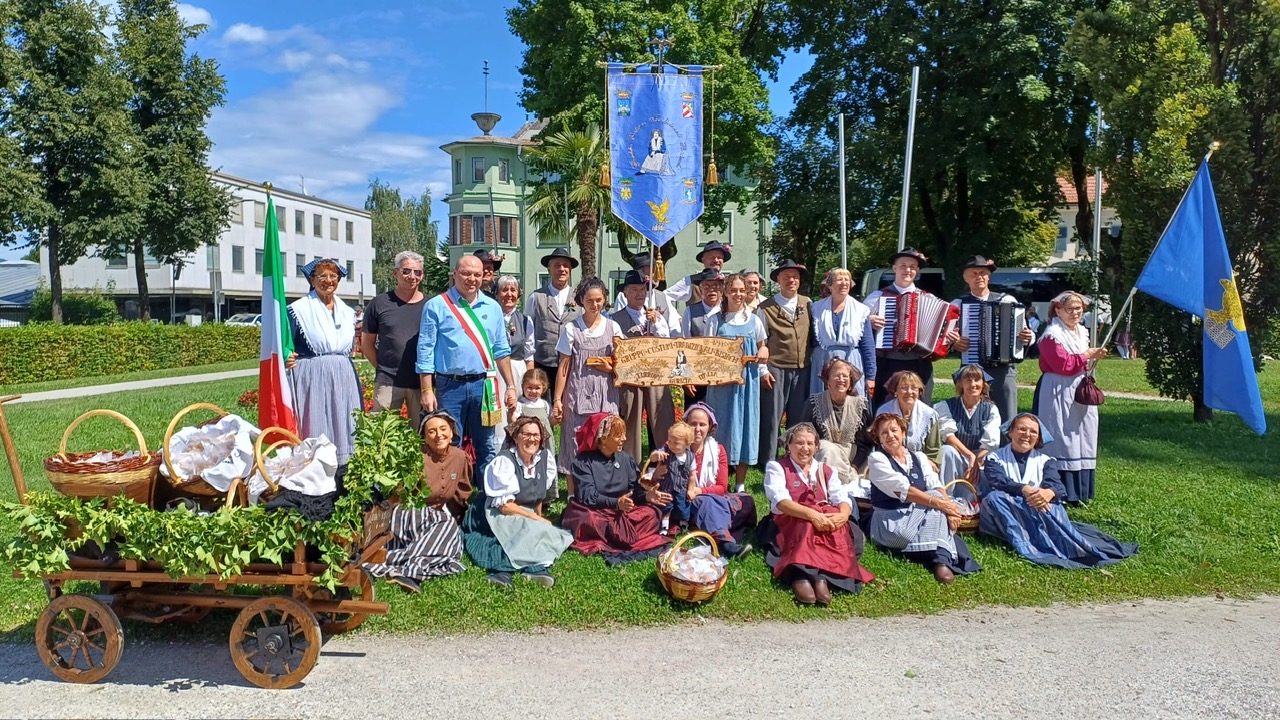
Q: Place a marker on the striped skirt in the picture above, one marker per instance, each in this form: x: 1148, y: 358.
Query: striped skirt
x: 326, y: 391
x: 426, y: 543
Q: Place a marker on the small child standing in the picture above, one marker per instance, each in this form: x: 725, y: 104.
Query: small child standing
x: 674, y: 473
x: 532, y: 403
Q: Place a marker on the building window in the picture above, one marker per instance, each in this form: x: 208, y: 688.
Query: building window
x: 724, y: 235
x: 504, y: 171
x: 457, y: 172
x: 610, y: 238
x: 317, y: 225
x: 118, y: 262
x: 455, y: 236
x: 505, y: 229
x: 299, y: 261
x: 282, y: 213
x: 299, y: 222
x: 237, y: 259
x: 333, y: 229
x: 351, y: 269
x: 258, y: 258
x: 477, y: 169
x: 1060, y: 246
x: 259, y: 214
x: 477, y: 230
x: 237, y: 211
x: 351, y: 232
x: 543, y: 280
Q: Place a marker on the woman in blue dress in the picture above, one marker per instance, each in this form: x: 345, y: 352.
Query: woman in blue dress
x: 1022, y: 498
x: 740, y: 403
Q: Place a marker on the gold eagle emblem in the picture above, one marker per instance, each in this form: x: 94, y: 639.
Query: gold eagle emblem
x: 1232, y: 311
x: 660, y: 211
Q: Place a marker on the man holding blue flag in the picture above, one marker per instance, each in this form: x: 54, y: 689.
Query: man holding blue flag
x: 1191, y: 270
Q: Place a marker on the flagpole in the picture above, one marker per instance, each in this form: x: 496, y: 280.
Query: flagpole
x: 1097, y: 238
x: 844, y: 227
x: 1212, y: 148
x: 906, y: 170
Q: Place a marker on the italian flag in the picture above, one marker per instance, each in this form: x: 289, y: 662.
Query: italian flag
x: 275, y: 398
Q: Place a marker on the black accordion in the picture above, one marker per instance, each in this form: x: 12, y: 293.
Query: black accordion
x: 993, y: 329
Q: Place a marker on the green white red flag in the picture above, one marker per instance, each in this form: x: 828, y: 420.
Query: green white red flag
x: 275, y: 398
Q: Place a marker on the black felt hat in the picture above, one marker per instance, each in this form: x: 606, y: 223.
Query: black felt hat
x: 633, y: 277
x: 790, y: 265
x: 977, y: 261
x: 562, y: 254
x: 707, y: 275
x: 912, y: 253
x: 488, y: 257
x: 641, y: 260
x: 715, y: 245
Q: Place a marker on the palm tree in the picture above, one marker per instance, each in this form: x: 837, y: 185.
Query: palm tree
x: 569, y: 163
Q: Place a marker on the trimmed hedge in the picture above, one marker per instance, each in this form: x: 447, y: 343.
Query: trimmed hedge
x: 39, y: 352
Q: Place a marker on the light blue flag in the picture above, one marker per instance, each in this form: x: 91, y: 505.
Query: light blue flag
x: 1191, y: 270
x: 655, y: 149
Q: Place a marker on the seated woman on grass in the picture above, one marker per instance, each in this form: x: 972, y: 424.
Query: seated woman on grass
x: 1022, y: 500
x: 923, y: 433
x: 969, y: 425
x: 504, y: 531
x: 713, y: 509
x: 912, y: 513
x: 609, y: 512
x: 809, y: 542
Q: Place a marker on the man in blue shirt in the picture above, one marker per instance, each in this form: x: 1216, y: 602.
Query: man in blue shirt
x: 461, y: 344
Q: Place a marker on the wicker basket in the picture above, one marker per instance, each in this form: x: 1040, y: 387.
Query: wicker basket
x: 195, y: 485
x: 687, y: 590
x: 132, y: 477
x: 968, y: 523
x: 260, y: 455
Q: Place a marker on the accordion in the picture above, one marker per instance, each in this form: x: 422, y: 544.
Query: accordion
x: 993, y: 329
x: 916, y: 323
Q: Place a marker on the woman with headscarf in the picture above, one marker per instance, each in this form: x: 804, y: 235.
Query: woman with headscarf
x: 609, y: 512
x: 1065, y: 358
x: 1022, y: 505
x: 426, y: 541
x: 913, y: 514
x: 924, y: 432
x: 504, y: 530
x: 326, y: 389
x: 808, y: 539
x: 714, y: 510
x: 969, y: 425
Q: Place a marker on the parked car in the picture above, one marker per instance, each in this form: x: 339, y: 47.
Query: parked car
x: 245, y: 319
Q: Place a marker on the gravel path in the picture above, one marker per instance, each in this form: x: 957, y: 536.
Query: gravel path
x: 1188, y: 659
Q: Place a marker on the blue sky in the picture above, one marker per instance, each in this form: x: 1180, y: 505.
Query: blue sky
x: 338, y: 93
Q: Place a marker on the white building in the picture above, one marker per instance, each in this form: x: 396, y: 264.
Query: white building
x: 1068, y: 246
x: 309, y: 228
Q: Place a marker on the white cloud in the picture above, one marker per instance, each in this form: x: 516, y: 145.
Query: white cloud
x: 337, y: 60
x: 245, y: 33
x: 192, y: 15
x: 295, y: 60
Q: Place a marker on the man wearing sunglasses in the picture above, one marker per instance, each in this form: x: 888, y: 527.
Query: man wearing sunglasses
x: 390, y: 341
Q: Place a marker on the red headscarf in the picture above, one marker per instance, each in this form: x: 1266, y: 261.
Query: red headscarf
x: 590, y: 430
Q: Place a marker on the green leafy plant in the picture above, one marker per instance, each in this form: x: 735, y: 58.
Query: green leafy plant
x: 387, y: 461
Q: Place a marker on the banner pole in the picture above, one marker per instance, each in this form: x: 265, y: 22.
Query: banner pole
x: 906, y: 169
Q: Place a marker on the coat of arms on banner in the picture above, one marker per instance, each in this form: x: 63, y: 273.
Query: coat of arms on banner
x: 655, y: 148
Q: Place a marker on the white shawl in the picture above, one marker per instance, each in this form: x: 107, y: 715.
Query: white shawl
x: 852, y: 322
x: 710, y: 463
x: 1075, y: 341
x: 327, y: 333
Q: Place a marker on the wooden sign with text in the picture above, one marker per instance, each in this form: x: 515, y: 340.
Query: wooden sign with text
x: 651, y: 361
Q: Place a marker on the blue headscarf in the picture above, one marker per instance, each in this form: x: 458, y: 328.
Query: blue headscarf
x: 1045, y: 436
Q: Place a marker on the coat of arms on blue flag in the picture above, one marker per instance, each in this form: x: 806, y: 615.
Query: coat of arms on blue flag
x: 1191, y: 270
x: 655, y: 148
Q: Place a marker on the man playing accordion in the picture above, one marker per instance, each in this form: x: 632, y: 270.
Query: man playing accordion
x: 906, y: 266
x: 1006, y: 334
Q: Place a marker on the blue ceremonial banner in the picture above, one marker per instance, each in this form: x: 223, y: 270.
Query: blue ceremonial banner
x: 655, y: 148
x: 1190, y: 269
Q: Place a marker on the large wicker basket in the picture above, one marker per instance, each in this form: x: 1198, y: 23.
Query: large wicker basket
x: 687, y: 590
x: 133, y: 477
x: 969, y: 523
x: 195, y: 485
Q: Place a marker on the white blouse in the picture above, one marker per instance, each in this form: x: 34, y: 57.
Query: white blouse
x: 947, y: 425
x: 922, y: 418
x: 565, y: 346
x: 775, y: 483
x: 889, y: 481
x: 501, y: 482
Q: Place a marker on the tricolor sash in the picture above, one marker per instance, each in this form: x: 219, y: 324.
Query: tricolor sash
x: 490, y: 415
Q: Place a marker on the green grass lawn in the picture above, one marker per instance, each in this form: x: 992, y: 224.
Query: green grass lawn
x: 19, y: 389
x: 1202, y: 500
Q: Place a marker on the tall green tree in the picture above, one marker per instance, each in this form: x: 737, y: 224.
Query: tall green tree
x: 173, y: 94
x: 991, y: 131
x: 66, y: 111
x: 564, y: 39
x: 1173, y: 77
x: 569, y: 162
x: 401, y: 224
x: 17, y: 178
x: 801, y: 195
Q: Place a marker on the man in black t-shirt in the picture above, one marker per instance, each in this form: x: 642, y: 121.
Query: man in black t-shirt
x: 391, y: 324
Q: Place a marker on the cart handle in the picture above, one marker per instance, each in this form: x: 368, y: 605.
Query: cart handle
x: 11, y: 453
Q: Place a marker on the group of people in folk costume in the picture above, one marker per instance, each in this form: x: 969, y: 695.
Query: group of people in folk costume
x: 844, y: 472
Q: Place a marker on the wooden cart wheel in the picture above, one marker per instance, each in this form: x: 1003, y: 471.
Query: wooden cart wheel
x: 335, y: 623
x: 79, y: 639
x: 275, y: 642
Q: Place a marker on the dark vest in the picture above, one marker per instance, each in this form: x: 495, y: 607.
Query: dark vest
x: 626, y: 322
x: 516, y: 335
x: 969, y: 429
x: 788, y: 341
x: 532, y: 489
x: 697, y: 320
x: 547, y: 322
x: 885, y: 501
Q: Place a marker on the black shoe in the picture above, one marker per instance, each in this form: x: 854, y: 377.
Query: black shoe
x: 540, y: 578
x: 502, y: 579
x: 409, y: 584
x: 735, y: 551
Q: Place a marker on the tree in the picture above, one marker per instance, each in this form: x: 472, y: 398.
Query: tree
x: 569, y: 162
x: 400, y: 225
x: 1172, y: 78
x: 990, y: 130
x: 799, y: 195
x: 182, y: 209
x: 564, y: 39
x: 65, y: 109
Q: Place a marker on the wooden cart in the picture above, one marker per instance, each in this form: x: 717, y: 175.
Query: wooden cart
x: 275, y: 639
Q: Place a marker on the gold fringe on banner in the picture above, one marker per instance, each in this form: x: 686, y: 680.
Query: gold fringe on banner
x: 713, y: 177
x: 606, y: 178
x: 659, y: 270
